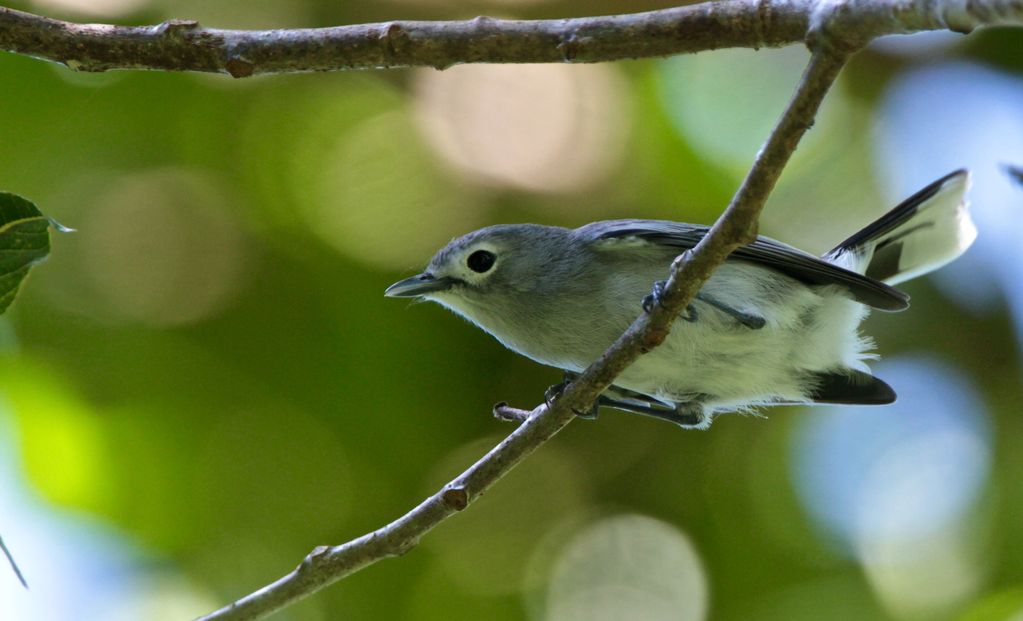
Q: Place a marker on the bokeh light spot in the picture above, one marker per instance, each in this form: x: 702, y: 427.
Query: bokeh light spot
x: 534, y: 127
x: 160, y: 249
x: 161, y: 596
x: 379, y: 200
x: 896, y: 486
x: 628, y: 567
x: 726, y: 120
x: 62, y: 441
x: 923, y: 576
x: 846, y: 459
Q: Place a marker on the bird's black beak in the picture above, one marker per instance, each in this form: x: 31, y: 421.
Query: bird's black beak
x: 418, y: 285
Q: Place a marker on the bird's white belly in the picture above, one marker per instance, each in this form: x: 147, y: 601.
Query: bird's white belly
x: 729, y: 366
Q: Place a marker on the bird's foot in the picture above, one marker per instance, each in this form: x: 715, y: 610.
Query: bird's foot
x: 553, y: 392
x: 654, y: 299
x: 688, y: 415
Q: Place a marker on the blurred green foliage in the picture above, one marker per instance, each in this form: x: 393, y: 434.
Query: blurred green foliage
x: 209, y: 368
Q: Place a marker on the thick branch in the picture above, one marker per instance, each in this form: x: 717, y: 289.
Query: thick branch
x: 181, y: 45
x: 736, y: 227
x: 185, y: 46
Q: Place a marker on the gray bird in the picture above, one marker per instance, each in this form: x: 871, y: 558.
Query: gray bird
x: 773, y: 325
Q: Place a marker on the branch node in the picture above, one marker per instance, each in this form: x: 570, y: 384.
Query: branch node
x: 177, y: 28
x: 569, y: 47
x: 481, y: 22
x: 392, y: 30
x: 314, y: 559
x: 838, y: 27
x: 456, y: 498
x: 680, y: 260
x: 392, y: 35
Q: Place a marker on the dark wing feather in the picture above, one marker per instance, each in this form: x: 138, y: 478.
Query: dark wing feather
x: 765, y: 251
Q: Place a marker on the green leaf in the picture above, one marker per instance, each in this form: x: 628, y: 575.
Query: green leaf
x: 14, y: 565
x: 24, y: 241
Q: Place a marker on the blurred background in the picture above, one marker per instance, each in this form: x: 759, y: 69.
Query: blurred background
x: 204, y: 382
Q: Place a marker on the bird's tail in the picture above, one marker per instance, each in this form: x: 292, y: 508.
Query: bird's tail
x: 924, y: 232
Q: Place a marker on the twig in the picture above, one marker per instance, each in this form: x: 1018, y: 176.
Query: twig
x: 184, y: 45
x: 503, y: 411
x: 14, y: 566
x: 736, y: 227
x: 1015, y: 173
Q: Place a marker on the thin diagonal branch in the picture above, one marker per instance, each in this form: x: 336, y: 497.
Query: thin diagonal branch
x: 14, y: 566
x: 184, y: 45
x: 737, y: 226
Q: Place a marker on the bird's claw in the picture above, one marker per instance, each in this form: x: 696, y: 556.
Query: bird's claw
x: 553, y: 392
x: 654, y: 299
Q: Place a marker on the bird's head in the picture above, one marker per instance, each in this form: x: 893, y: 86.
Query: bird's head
x: 488, y: 270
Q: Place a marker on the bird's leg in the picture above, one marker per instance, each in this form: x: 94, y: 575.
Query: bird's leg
x: 687, y: 415
x: 553, y: 392
x: 655, y: 298
x: 750, y: 320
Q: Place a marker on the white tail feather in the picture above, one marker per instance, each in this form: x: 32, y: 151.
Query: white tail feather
x: 928, y: 230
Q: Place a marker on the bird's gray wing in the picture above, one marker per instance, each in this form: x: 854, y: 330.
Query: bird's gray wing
x: 791, y: 261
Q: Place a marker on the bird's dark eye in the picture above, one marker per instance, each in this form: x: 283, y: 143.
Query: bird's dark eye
x: 481, y: 261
